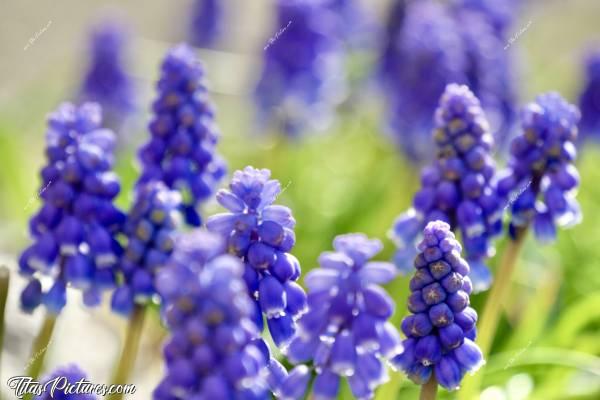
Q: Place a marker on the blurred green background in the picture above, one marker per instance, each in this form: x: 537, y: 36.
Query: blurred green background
x: 347, y: 179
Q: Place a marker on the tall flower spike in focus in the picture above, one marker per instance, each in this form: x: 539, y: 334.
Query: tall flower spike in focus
x: 150, y: 229
x: 106, y: 80
x: 440, y: 332
x: 302, y: 79
x: 541, y: 181
x: 211, y: 352
x: 345, y: 332
x: 459, y: 187
x: 589, y: 99
x: 72, y: 374
x: 181, y: 152
x: 206, y: 25
x: 74, y: 231
x: 261, y: 234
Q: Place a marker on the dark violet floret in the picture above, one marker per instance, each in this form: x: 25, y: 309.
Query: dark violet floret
x: 65, y: 379
x: 589, y: 99
x: 261, y: 234
x: 439, y: 335
x: 346, y: 332
x: 458, y: 188
x: 541, y: 180
x: 206, y: 25
x: 181, y: 151
x: 212, y: 351
x: 106, y: 80
x: 74, y: 230
x: 150, y: 230
x: 302, y: 78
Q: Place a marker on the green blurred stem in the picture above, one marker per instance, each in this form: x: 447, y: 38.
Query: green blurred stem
x: 40, y: 346
x: 130, y: 349
x: 4, y: 282
x: 429, y: 390
x: 493, y: 307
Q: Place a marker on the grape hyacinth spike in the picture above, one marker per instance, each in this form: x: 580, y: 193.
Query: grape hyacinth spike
x: 74, y: 231
x: 346, y: 332
x: 440, y: 331
x: 261, y: 234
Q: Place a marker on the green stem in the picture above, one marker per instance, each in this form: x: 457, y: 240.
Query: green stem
x: 492, y: 309
x: 40, y: 346
x: 429, y: 390
x: 4, y: 282
x: 130, y: 349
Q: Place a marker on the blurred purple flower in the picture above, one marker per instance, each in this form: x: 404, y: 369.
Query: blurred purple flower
x: 74, y: 231
x: 589, y: 99
x: 211, y: 352
x: 206, y: 25
x: 181, y: 152
x: 72, y: 374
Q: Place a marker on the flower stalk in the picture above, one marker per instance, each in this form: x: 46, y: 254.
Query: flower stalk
x: 429, y: 390
x: 130, y: 349
x: 40, y: 346
x: 4, y: 284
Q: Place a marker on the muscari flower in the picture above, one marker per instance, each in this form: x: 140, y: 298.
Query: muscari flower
x: 106, y: 80
x: 181, y: 151
x: 74, y: 231
x: 499, y: 14
x: 423, y: 54
x: 212, y: 351
x: 459, y: 187
x: 440, y: 332
x: 589, y: 99
x: 541, y: 180
x: 150, y: 230
x: 489, y: 71
x: 63, y: 378
x: 207, y: 22
x: 302, y: 79
x: 261, y: 234
x: 345, y: 333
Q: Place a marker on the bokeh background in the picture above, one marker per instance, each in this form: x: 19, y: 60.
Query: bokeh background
x: 349, y: 178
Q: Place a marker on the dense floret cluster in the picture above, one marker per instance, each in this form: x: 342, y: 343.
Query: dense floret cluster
x: 74, y: 231
x: 440, y: 331
x: 541, y: 180
x: 181, y: 151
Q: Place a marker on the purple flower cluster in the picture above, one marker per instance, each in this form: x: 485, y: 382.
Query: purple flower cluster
x: 207, y: 22
x: 211, y: 352
x: 430, y: 45
x: 181, y: 151
x: 441, y: 329
x: 589, y: 99
x: 345, y: 332
x: 74, y: 230
x: 541, y: 180
x: 72, y: 374
x: 261, y: 234
x: 150, y: 230
x: 459, y: 187
x: 106, y: 80
x: 302, y: 78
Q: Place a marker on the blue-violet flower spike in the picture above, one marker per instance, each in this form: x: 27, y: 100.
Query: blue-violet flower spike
x: 181, y: 151
x: 75, y: 230
x: 346, y: 333
x: 440, y: 331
